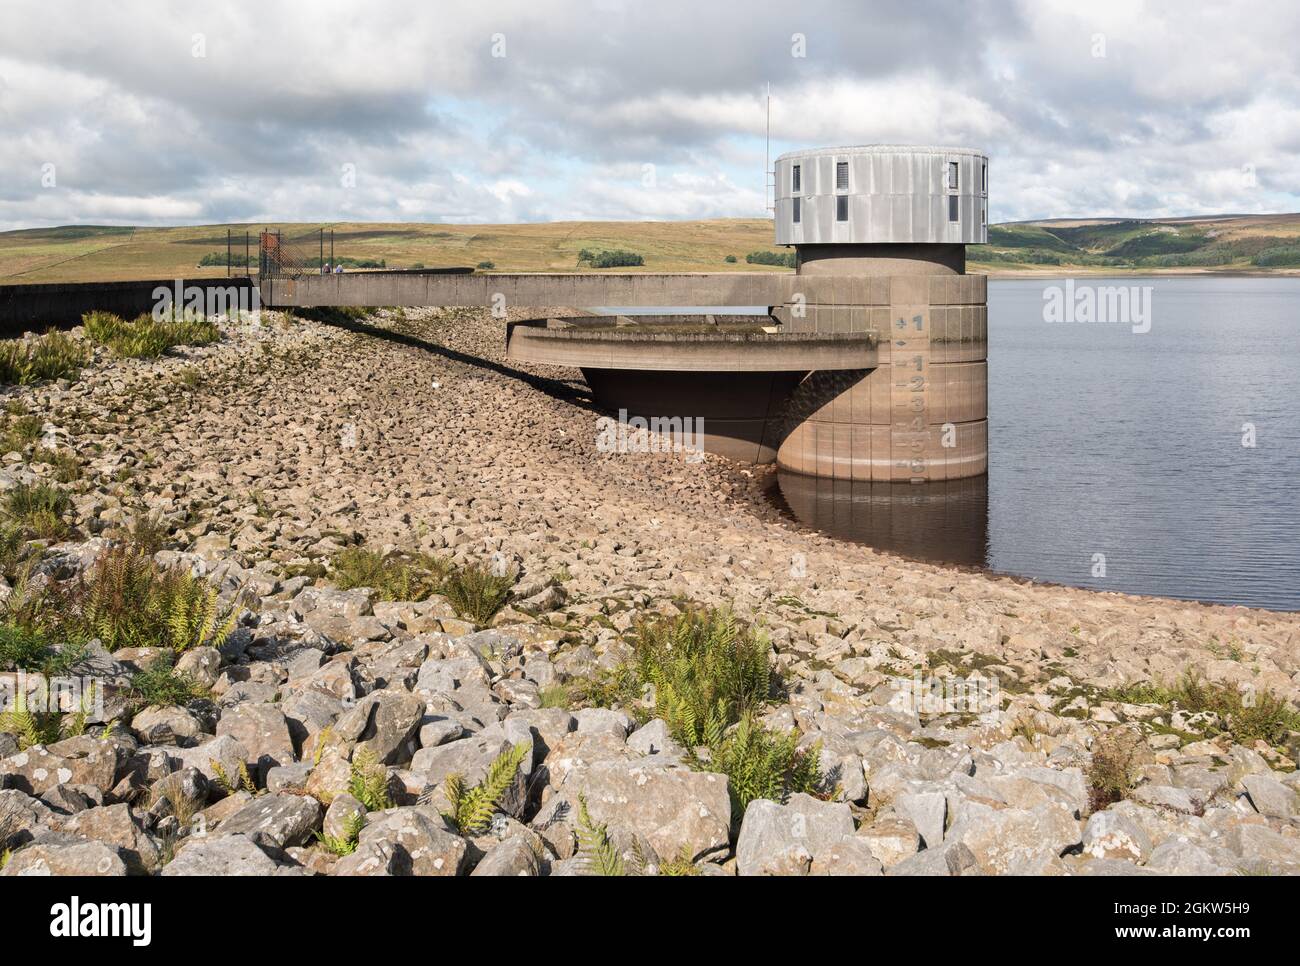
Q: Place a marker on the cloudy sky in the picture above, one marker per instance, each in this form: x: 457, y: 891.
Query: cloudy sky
x: 191, y: 112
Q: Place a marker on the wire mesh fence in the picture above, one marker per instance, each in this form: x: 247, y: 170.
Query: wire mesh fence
x: 292, y: 257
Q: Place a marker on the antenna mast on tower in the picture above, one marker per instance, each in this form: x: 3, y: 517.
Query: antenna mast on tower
x: 769, y: 176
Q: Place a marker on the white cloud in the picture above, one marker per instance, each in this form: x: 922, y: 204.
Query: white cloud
x: 140, y: 131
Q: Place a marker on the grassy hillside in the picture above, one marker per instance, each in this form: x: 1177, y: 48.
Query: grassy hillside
x: 1226, y: 243
x: 1264, y: 243
x: 89, y: 253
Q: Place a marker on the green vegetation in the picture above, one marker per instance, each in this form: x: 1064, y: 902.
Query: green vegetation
x: 224, y: 780
x: 1246, y: 716
x: 615, y: 258
x: 1135, y: 244
x: 32, y: 622
x: 484, y: 266
x: 472, y: 809
x: 476, y: 592
x: 395, y: 576
x: 236, y: 259
x: 100, y: 253
x: 782, y: 259
x: 54, y: 355
x: 43, y: 727
x: 761, y: 763
x: 13, y: 550
x: 599, y: 855
x: 710, y: 676
x: 128, y: 600
x: 1113, y: 768
x: 1281, y: 256
x: 146, y: 337
x: 368, y: 782
x: 706, y: 669
x: 66, y: 465
x: 160, y: 685
x: 38, y: 509
x: 346, y: 843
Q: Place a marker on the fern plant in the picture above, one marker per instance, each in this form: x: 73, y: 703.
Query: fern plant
x: 395, y: 576
x: 39, y: 509
x: 130, y: 601
x: 160, y: 685
x: 231, y: 786
x: 476, y: 592
x: 368, y: 781
x: 703, y: 665
x: 598, y: 854
x: 472, y: 808
x: 346, y: 843
x: 760, y: 763
x: 43, y: 727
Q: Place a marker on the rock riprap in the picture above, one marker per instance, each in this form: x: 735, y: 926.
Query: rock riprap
x: 345, y: 732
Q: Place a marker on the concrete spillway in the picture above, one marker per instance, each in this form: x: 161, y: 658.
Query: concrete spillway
x: 872, y: 364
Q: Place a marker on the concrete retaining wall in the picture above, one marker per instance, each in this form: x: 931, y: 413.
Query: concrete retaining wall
x: 60, y: 305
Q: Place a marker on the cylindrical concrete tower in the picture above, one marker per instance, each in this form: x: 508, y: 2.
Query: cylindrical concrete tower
x: 880, y: 235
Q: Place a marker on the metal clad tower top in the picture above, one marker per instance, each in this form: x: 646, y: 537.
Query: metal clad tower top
x: 882, y: 194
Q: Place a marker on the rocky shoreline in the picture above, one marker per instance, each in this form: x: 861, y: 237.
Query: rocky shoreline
x: 960, y: 723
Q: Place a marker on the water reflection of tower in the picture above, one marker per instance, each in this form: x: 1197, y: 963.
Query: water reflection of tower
x: 945, y: 521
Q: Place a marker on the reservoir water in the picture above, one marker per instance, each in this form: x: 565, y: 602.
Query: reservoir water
x: 1159, y: 462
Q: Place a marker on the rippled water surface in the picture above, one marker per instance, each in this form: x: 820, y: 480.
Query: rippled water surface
x: 1103, y: 441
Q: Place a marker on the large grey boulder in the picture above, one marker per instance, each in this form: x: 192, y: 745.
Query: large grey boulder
x: 383, y: 723
x: 115, y: 825
x: 891, y: 839
x: 1113, y: 835
x: 225, y: 751
x: 514, y: 856
x: 791, y: 839
x: 1262, y: 850
x: 167, y: 726
x: 469, y: 757
x: 342, y: 815
x: 57, y: 853
x: 276, y: 821
x: 23, y: 817
x: 653, y: 738
x: 1269, y: 796
x: 76, y: 761
x: 222, y: 855
x: 449, y: 674
x: 1005, y: 839
x: 406, y: 841
x: 949, y: 859
x: 203, y: 664
x: 1177, y: 857
x: 681, y: 813
x: 607, y: 720
x: 263, y: 732
x: 927, y: 811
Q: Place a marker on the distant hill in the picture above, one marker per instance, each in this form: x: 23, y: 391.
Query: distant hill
x: 1223, y: 243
